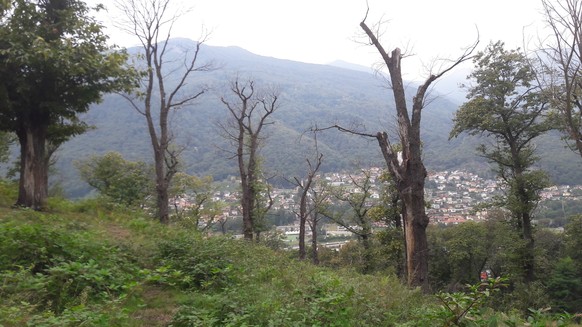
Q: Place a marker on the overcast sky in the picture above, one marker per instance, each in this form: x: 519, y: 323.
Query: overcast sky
x: 322, y: 31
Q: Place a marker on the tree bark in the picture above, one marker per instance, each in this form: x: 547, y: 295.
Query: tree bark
x: 302, y: 219
x: 526, y: 227
x: 33, y: 186
x: 314, y: 253
x: 409, y: 173
x: 416, y: 222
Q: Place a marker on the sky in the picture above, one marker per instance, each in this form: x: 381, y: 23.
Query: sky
x: 322, y: 31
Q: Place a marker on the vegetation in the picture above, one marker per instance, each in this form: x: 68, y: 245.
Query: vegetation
x: 93, y: 264
x: 508, y: 107
x: 123, y: 181
x: 105, y: 262
x: 59, y: 63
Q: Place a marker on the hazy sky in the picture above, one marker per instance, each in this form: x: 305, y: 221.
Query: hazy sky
x: 321, y: 31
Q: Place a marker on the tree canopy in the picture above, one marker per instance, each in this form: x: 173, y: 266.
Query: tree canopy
x: 54, y: 63
x: 507, y: 106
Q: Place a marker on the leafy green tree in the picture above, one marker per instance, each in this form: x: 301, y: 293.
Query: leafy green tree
x: 573, y: 240
x: 507, y: 107
x: 54, y: 63
x: 460, y: 252
x: 565, y: 286
x: 123, y: 181
x: 193, y: 203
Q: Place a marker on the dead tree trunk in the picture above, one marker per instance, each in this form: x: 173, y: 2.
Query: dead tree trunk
x: 250, y: 115
x: 409, y: 172
x: 305, y: 189
x: 146, y: 20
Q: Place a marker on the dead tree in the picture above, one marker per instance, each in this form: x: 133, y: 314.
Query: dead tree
x: 405, y: 166
x: 319, y: 195
x: 305, y: 210
x: 250, y: 112
x: 409, y: 172
x: 157, y: 97
x: 561, y: 59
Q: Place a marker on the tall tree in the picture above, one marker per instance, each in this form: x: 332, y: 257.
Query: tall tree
x: 561, y: 66
x: 506, y: 106
x: 250, y: 112
x: 55, y: 62
x: 151, y: 22
x: 405, y: 165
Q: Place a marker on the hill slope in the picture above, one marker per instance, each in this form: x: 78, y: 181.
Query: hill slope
x: 311, y: 95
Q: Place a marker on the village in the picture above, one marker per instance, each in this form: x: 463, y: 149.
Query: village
x: 452, y: 196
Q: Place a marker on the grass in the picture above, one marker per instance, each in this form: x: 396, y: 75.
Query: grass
x: 96, y: 264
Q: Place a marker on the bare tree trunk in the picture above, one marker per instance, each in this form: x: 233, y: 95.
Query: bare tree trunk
x: 314, y: 252
x: 246, y: 204
x: 409, y: 173
x: 33, y: 186
x: 306, y: 187
x: 416, y: 222
x: 302, y: 219
x: 146, y: 20
x: 250, y: 115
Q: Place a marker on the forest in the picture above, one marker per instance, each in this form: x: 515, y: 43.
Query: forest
x: 158, y: 245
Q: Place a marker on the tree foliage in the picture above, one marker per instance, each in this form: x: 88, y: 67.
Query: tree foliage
x: 125, y: 182
x: 193, y: 202
x: 507, y: 106
x: 55, y: 62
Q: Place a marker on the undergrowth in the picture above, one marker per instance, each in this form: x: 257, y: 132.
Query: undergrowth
x: 90, y: 263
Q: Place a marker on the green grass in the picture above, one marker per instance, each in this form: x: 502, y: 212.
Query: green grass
x: 91, y: 263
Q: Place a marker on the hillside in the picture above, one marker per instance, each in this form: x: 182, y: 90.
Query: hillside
x: 311, y: 95
x: 93, y: 263
x: 88, y: 264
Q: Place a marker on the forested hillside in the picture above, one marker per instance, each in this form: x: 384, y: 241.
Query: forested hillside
x: 311, y: 95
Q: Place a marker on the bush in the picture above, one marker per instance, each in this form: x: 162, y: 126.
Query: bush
x: 192, y: 263
x: 54, y: 268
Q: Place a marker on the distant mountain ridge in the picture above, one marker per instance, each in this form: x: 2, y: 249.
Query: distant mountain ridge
x: 310, y: 94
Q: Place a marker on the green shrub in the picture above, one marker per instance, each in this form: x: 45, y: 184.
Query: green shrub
x: 197, y: 263
x: 56, y: 268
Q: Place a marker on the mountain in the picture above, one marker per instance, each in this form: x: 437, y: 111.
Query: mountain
x: 311, y: 95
